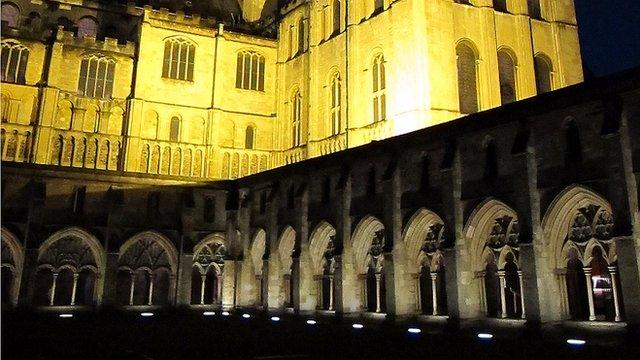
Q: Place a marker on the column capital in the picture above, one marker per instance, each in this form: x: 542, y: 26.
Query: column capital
x: 501, y: 273
x: 587, y: 270
x: 612, y: 269
x: 434, y: 276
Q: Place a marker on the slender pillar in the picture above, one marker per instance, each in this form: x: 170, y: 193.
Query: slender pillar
x: 259, y: 297
x: 73, y: 289
x: 320, y: 293
x: 418, y: 290
x: 587, y: 274
x: 503, y: 298
x: 219, y: 288
x: 378, y: 278
x: 203, y: 278
x: 330, y: 292
x: 434, y: 292
x: 614, y: 285
x: 483, y: 292
x: 53, y: 288
x: 151, y: 277
x: 133, y: 282
x: 521, y: 294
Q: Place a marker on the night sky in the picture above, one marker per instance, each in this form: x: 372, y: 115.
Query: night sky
x: 609, y: 34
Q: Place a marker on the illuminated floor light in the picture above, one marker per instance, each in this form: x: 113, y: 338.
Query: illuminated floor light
x: 357, y: 326
x: 576, y: 342
x: 485, y: 336
x: 225, y: 313
x: 246, y: 316
x: 146, y: 314
x: 275, y: 318
x: 311, y: 322
x: 66, y: 315
x: 414, y: 330
x: 209, y: 313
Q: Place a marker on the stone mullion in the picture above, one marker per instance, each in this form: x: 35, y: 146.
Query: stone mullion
x: 396, y: 277
x: 343, y: 275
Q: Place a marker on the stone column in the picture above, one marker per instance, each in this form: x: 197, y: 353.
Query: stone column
x: 319, y: 292
x: 218, y: 288
x: 434, y: 292
x: 53, y: 288
x: 133, y: 282
x: 151, y: 278
x: 587, y: 274
x: 520, y: 278
x: 378, y: 278
x: 203, y: 278
x: 503, y: 299
x: 614, y: 285
x: 330, y: 292
x: 74, y: 288
x: 418, y: 295
x: 483, y: 292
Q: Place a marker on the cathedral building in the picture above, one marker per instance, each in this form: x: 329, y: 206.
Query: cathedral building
x: 428, y: 159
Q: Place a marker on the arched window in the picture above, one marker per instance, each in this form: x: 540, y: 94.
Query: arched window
x: 543, y: 71
x: 534, y: 9
x: 96, y: 77
x: 507, y: 74
x: 336, y: 16
x: 296, y: 117
x: 179, y: 57
x: 500, y: 5
x: 10, y: 14
x: 174, y: 133
x: 87, y: 26
x: 250, y: 71
x: 14, y: 61
x: 379, y: 86
x: 301, y: 36
x: 467, y: 78
x: 336, y: 93
x: 249, y: 137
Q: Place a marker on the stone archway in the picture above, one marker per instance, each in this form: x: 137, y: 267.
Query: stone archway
x: 578, y: 226
x: 71, y: 267
x: 318, y: 281
x: 208, y: 271
x: 147, y: 270
x: 12, y: 265
x: 281, y: 281
x: 491, y: 233
x: 423, y: 239
x: 368, y: 242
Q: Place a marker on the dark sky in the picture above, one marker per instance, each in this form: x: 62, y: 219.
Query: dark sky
x: 609, y: 34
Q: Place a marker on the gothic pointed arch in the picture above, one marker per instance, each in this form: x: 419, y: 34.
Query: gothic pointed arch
x: 576, y: 215
x: 493, y: 225
x: 258, y: 250
x: 72, y: 247
x: 423, y: 238
x: 149, y: 250
x: 12, y: 265
x: 286, y: 244
x: 321, y: 242
x: 210, y: 253
x: 368, y: 242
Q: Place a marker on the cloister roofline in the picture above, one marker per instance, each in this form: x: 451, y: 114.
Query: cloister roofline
x: 597, y: 89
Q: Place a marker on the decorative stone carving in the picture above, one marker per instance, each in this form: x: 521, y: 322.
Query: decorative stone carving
x: 69, y: 251
x: 591, y: 222
x: 210, y: 254
x: 505, y: 232
x: 434, y: 240
x: 145, y: 253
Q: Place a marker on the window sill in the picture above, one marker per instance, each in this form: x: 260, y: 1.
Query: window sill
x: 179, y: 81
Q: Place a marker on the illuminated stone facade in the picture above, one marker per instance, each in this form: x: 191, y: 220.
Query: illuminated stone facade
x: 230, y: 90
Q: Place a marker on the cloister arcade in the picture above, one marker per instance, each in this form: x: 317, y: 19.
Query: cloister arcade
x: 578, y: 242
